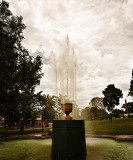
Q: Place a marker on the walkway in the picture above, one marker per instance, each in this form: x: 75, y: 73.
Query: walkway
x: 47, y: 135
x: 116, y: 137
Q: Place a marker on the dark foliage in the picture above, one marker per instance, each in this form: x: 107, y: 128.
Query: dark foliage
x: 111, y: 98
x: 130, y: 107
x: 94, y: 113
x: 19, y: 72
x: 131, y: 86
x: 117, y: 113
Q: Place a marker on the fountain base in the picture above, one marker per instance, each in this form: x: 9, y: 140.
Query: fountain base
x: 68, y: 141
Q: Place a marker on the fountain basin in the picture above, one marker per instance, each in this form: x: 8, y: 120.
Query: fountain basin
x: 40, y: 149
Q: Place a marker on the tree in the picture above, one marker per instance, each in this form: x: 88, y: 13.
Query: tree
x: 97, y: 102
x: 48, y: 110
x: 46, y: 105
x: 131, y: 86
x: 102, y: 114
x: 85, y: 113
x: 19, y: 72
x: 117, y: 112
x: 111, y: 98
x: 130, y: 107
x: 94, y: 113
x: 29, y: 76
x: 10, y: 37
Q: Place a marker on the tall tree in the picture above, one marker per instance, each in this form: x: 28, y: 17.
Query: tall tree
x: 130, y: 107
x: 19, y: 72
x: 10, y: 37
x: 46, y: 107
x: 111, y: 98
x: 29, y: 76
x: 131, y: 86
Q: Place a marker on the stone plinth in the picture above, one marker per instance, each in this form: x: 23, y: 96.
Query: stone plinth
x: 68, y: 141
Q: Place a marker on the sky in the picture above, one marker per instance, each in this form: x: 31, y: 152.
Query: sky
x: 99, y: 32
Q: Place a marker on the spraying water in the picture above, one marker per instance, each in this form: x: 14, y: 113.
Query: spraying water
x: 56, y: 76
x: 65, y: 77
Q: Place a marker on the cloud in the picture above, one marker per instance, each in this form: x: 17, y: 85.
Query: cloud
x: 100, y: 33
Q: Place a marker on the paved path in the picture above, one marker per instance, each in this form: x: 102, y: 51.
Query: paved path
x: 46, y: 135
x: 27, y: 136
x: 116, y: 137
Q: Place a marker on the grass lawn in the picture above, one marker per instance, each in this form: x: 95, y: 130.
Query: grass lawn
x: 8, y: 132
x: 117, y: 127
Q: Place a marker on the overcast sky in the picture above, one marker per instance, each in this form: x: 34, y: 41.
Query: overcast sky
x: 100, y: 31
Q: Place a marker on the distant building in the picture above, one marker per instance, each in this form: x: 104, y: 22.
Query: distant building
x: 1, y: 121
x: 37, y: 124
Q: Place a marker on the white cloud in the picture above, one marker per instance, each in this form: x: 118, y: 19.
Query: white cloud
x: 100, y: 32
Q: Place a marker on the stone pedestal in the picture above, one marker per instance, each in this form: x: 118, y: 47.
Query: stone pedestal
x: 68, y: 141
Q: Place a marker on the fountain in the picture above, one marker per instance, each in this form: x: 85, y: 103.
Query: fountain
x: 68, y: 141
x: 65, y: 71
x: 40, y: 149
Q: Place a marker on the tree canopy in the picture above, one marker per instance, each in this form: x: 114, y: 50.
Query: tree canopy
x: 94, y: 113
x: 19, y: 72
x: 117, y: 113
x: 130, y: 93
x: 111, y: 98
x: 97, y: 102
x: 130, y: 107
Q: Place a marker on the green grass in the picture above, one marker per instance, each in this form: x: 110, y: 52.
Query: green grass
x: 5, y: 132
x: 117, y: 127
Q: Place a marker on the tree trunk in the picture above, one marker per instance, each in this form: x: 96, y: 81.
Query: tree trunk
x: 26, y: 125
x: 4, y: 124
x: 13, y: 126
x: 33, y: 123
x: 111, y: 117
x: 9, y: 125
x: 22, y: 125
